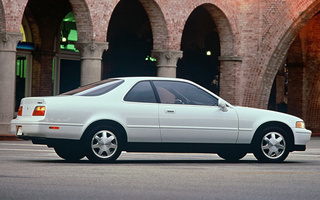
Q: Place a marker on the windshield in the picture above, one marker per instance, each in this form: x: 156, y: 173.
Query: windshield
x: 96, y: 89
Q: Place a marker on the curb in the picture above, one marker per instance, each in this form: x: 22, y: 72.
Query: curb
x: 315, y: 135
x: 8, y: 137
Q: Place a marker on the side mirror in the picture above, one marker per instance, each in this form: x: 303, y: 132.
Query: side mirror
x: 223, y: 106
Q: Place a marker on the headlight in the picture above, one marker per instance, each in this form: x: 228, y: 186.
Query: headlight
x: 300, y: 125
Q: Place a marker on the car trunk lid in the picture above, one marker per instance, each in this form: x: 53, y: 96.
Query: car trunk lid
x: 29, y: 104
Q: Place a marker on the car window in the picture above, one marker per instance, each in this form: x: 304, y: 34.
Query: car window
x: 141, y: 92
x: 175, y: 92
x: 96, y: 89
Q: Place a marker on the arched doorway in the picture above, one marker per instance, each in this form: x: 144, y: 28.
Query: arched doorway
x: 130, y: 42
x: 301, y: 85
x: 201, y: 49
x: 67, y: 65
x: 45, y: 18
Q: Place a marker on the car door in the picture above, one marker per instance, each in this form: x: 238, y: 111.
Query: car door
x: 141, y: 109
x: 188, y: 114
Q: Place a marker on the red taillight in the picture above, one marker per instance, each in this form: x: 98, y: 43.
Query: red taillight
x: 39, y: 111
x: 20, y: 111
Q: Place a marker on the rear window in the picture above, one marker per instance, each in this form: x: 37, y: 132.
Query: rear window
x: 141, y: 92
x: 96, y: 89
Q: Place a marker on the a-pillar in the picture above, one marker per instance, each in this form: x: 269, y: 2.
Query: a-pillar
x: 167, y: 62
x: 91, y: 56
x: 8, y: 45
x: 230, y: 80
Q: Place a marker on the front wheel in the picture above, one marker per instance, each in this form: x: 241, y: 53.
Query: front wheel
x: 271, y: 145
x: 103, y: 144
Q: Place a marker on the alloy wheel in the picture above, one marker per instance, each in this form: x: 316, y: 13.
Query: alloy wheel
x: 273, y: 145
x: 104, y: 144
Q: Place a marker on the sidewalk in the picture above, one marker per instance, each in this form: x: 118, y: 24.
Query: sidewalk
x: 11, y: 137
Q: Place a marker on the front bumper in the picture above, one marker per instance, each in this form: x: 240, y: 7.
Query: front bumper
x: 301, y: 136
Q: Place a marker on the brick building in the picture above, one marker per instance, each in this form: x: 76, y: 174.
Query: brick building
x: 259, y: 53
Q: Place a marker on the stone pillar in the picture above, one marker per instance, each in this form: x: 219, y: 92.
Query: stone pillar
x: 91, y: 56
x: 166, y: 62
x: 8, y: 46
x: 230, y: 85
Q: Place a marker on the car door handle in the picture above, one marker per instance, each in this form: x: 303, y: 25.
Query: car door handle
x: 169, y: 111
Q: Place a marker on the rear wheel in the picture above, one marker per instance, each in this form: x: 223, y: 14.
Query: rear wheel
x: 69, y: 151
x: 103, y: 144
x: 272, y: 145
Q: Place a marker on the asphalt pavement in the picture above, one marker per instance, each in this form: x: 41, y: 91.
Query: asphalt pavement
x: 35, y: 172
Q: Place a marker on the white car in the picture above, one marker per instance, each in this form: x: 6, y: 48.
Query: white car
x: 153, y: 114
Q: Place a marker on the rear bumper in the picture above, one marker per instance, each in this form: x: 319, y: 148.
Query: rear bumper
x: 45, y: 130
x: 50, y: 142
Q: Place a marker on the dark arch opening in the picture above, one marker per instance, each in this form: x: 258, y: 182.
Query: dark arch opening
x: 130, y: 42
x: 201, y: 49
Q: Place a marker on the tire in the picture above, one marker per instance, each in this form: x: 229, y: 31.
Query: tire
x: 272, y: 145
x: 232, y: 155
x: 69, y: 151
x: 103, y: 144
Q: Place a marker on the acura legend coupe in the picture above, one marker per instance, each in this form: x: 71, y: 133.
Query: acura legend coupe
x: 153, y: 114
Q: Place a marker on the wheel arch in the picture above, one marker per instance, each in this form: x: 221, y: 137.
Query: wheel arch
x: 277, y: 124
x: 112, y: 123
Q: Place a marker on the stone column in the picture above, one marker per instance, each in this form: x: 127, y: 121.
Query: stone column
x: 167, y: 62
x: 8, y: 46
x: 230, y: 83
x: 91, y: 56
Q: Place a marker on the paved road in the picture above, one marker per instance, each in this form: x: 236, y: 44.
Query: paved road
x: 35, y: 172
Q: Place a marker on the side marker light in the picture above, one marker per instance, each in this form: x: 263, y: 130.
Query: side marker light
x: 54, y: 127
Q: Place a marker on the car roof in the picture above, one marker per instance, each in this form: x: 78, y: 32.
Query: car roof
x: 140, y: 78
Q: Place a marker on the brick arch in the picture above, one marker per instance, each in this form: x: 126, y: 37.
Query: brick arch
x: 167, y: 24
x: 219, y: 10
x: 2, y: 17
x: 34, y: 26
x: 83, y: 15
x: 101, y: 12
x: 258, y: 89
x: 11, y: 15
x: 229, y: 50
x: 226, y: 36
x: 155, y: 15
x: 158, y: 24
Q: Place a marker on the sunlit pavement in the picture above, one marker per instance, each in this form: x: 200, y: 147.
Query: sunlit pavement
x: 35, y: 172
